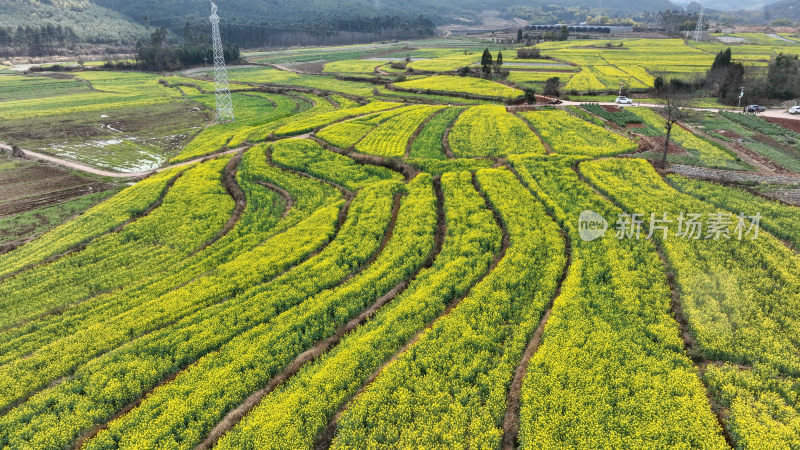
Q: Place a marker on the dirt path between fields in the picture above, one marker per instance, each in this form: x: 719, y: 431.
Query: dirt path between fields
x: 287, y: 197
x: 448, y: 151
x: 408, y: 171
x: 693, y: 352
x: 511, y: 421
x: 547, y: 149
x: 105, y: 173
x: 325, y: 438
x: 236, y: 415
x: 236, y: 193
x: 419, y: 129
x: 91, y: 433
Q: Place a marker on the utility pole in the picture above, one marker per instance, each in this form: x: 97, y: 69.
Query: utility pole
x: 224, y: 101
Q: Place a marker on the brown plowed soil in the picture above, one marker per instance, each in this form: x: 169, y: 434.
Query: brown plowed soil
x: 730, y: 134
x: 611, y: 108
x: 656, y: 144
x: 36, y: 185
x: 789, y: 124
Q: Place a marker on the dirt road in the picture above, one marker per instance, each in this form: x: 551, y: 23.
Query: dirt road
x: 74, y: 165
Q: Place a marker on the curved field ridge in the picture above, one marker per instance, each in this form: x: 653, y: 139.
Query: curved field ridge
x: 491, y: 131
x: 461, y: 402
x: 461, y: 85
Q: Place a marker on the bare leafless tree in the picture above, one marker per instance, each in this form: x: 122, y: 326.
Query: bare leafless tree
x: 674, y: 99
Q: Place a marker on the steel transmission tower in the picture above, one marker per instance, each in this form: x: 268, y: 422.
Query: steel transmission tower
x: 224, y: 102
x: 700, y: 30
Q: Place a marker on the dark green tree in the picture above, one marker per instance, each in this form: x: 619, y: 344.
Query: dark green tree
x: 530, y: 96
x: 486, y: 62
x: 564, y: 34
x: 552, y: 86
x: 722, y: 60
x: 519, y: 35
x: 783, y: 77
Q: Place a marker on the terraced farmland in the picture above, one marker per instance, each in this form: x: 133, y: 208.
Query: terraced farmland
x: 352, y: 266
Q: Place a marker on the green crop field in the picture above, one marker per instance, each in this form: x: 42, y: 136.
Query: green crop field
x: 415, y: 260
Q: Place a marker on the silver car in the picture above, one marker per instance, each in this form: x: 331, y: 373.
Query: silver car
x: 794, y: 110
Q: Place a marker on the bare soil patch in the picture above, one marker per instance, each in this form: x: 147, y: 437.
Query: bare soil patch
x: 34, y: 186
x: 789, y: 124
x: 657, y: 144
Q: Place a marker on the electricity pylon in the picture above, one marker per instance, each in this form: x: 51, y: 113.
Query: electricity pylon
x: 699, y: 31
x: 224, y: 102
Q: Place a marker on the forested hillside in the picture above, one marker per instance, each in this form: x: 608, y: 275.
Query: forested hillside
x: 252, y: 23
x: 87, y: 21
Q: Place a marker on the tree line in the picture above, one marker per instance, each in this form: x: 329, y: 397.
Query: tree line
x: 36, y: 40
x: 157, y: 54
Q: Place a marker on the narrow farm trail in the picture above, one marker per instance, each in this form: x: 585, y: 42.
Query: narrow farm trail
x: 236, y: 415
x: 408, y: 171
x: 236, y: 193
x: 511, y: 421
x: 325, y: 438
x: 287, y: 197
x: 690, y: 345
x: 547, y: 149
x: 419, y: 129
x: 91, y: 433
x: 448, y: 151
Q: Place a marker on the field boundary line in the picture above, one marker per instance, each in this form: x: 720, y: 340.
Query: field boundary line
x: 690, y: 347
x: 448, y: 151
x: 419, y: 129
x: 236, y: 415
x: 92, y: 432
x: 511, y: 420
x: 547, y: 149
x: 325, y: 438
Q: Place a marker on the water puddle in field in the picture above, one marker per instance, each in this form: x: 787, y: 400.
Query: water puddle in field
x: 125, y: 154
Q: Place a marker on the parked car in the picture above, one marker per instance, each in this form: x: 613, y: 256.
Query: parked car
x: 794, y: 110
x: 755, y: 109
x: 622, y: 100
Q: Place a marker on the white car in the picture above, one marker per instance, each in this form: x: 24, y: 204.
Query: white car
x: 794, y: 110
x: 624, y: 101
